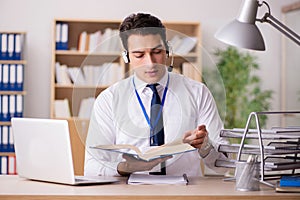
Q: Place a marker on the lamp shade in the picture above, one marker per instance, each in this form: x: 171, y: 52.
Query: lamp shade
x: 242, y: 32
x: 242, y: 35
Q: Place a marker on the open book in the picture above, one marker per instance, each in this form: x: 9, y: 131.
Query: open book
x: 173, y: 148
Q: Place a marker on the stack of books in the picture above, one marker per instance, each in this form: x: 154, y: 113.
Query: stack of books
x: 88, y: 75
x: 100, y: 42
x: 183, y: 45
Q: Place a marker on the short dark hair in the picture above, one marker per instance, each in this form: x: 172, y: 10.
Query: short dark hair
x: 142, y: 24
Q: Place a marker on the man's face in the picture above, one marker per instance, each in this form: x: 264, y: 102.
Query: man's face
x: 147, y: 56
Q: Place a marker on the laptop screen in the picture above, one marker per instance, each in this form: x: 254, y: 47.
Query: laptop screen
x: 43, y: 149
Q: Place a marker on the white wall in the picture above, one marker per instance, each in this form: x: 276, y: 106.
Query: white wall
x: 36, y: 18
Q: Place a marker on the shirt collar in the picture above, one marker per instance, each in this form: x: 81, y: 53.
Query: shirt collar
x: 141, y: 85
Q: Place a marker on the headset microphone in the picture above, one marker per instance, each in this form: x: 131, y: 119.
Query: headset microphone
x: 170, y: 68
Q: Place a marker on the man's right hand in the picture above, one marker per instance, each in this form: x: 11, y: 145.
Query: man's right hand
x: 132, y: 164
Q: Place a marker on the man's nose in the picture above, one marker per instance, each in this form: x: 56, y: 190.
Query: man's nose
x: 149, y: 59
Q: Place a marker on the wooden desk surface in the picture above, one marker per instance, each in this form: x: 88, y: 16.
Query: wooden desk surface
x: 13, y: 187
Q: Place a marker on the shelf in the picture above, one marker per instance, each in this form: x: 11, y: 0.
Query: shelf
x: 71, y: 87
x: 17, y: 62
x: 86, y: 53
x: 14, y: 32
x: 68, y: 91
x: 77, y: 59
x: 12, y: 92
x: 75, y: 119
x: 189, y: 55
x: 7, y: 153
x: 3, y: 123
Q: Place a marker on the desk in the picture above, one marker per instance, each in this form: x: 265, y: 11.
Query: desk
x: 13, y: 187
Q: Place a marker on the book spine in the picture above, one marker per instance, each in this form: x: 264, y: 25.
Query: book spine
x: 290, y: 181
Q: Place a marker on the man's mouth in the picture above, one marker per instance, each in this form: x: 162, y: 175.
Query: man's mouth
x: 152, y: 72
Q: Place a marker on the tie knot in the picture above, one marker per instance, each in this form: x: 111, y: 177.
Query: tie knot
x: 153, y: 86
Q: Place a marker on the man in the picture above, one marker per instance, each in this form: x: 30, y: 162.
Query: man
x: 123, y: 113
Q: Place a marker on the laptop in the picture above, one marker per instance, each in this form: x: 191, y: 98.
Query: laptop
x: 43, y: 152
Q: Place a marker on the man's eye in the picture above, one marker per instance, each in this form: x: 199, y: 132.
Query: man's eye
x: 157, y: 51
x: 138, y: 55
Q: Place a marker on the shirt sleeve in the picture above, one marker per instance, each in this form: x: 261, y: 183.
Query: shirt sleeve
x: 101, y: 132
x: 209, y: 116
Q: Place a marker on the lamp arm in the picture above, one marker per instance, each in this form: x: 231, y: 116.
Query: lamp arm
x: 284, y: 28
x: 278, y: 25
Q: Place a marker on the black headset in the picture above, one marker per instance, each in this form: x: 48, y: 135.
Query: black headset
x: 125, y: 56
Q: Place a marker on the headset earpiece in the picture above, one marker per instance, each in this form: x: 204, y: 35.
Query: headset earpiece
x: 125, y: 56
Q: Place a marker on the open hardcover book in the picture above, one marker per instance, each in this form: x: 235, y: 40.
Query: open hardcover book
x: 173, y: 148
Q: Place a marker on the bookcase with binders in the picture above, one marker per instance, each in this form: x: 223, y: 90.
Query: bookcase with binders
x: 87, y: 59
x: 11, y: 94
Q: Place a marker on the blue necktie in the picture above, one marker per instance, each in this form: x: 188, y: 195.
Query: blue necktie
x: 156, y: 118
x: 157, y: 125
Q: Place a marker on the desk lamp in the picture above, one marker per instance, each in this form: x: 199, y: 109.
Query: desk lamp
x: 242, y: 32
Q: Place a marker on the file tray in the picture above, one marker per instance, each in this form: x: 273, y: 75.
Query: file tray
x: 280, y: 154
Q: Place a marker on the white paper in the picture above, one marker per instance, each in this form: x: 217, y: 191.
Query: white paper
x: 139, y: 179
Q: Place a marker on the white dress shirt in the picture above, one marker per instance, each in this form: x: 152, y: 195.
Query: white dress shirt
x: 117, y: 118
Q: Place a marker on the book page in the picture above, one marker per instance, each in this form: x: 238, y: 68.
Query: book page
x: 175, y: 147
x: 166, y: 150
x: 136, y: 150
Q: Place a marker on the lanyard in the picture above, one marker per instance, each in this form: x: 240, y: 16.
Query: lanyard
x: 143, y: 107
